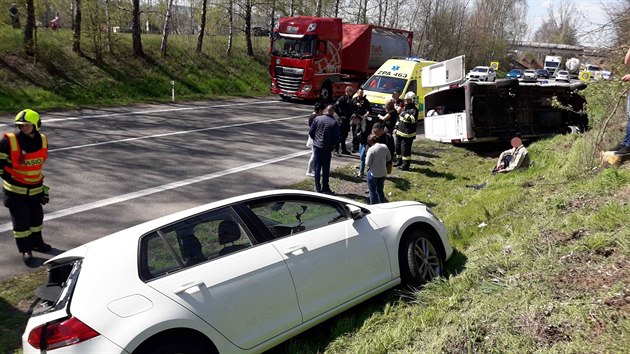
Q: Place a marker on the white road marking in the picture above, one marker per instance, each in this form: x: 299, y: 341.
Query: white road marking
x: 158, y: 189
x: 150, y: 111
x: 173, y: 133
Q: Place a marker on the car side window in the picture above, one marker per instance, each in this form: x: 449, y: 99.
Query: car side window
x: 289, y: 217
x: 412, y: 87
x: 192, y: 241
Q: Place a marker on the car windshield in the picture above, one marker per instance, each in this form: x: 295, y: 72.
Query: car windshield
x: 480, y: 70
x: 516, y: 71
x: 552, y: 64
x: 292, y: 47
x: 384, y: 84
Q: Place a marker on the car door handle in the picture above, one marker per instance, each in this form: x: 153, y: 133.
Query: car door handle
x: 187, y: 286
x: 294, y: 250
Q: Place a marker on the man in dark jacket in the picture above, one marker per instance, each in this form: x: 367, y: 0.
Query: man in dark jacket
x: 363, y: 108
x: 325, y: 134
x: 344, y: 109
x: 406, y: 132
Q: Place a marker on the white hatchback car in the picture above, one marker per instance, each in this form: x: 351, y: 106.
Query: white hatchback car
x: 235, y: 276
x: 482, y: 73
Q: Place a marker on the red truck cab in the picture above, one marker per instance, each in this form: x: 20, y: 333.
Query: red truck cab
x: 315, y: 57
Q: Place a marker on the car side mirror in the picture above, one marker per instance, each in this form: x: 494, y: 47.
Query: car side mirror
x: 355, y: 211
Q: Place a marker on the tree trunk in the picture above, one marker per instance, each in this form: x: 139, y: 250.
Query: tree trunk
x: 136, y: 29
x: 76, y: 20
x: 165, y: 29
x: 202, y: 26
x: 108, y: 21
x: 29, y: 28
x: 231, y: 29
x: 248, y: 27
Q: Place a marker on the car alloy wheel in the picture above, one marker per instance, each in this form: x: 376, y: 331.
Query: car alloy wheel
x: 420, y: 260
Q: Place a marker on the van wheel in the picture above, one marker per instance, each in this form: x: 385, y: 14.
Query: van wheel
x: 419, y: 258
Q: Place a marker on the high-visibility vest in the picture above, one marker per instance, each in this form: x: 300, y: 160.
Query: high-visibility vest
x: 26, y: 168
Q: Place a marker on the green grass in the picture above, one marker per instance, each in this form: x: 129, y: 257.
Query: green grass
x: 59, y: 78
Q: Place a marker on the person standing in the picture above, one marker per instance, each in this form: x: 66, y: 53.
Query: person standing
x: 376, y: 161
x: 406, y: 132
x: 325, y: 134
x: 363, y: 109
x: 384, y: 138
x: 623, y: 148
x: 344, y: 109
x: 317, y: 111
x: 22, y: 158
x: 390, y: 119
x: 364, y: 129
x: 14, y: 14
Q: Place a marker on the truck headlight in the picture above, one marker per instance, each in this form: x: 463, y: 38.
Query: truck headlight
x: 307, y: 88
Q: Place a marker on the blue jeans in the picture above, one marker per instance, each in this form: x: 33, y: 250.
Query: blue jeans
x: 321, y: 163
x: 626, y: 139
x: 362, y: 153
x: 376, y: 186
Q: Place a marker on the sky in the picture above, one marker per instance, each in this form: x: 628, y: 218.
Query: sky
x: 592, y: 16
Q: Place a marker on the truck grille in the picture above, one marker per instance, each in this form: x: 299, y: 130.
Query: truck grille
x: 289, y: 79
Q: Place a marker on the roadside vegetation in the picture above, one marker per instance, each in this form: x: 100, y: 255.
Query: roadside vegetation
x: 542, y: 261
x: 59, y: 78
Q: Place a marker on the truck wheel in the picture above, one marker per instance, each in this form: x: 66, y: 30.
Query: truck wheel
x: 325, y: 94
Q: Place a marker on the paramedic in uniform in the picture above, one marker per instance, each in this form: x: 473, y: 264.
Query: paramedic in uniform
x: 22, y: 156
x: 406, y: 132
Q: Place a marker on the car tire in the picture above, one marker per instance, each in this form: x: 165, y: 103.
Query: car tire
x: 420, y: 258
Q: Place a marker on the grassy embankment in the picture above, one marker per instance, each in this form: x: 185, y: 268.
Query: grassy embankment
x: 59, y: 78
x: 542, y: 261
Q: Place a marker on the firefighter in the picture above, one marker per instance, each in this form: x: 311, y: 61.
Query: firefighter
x: 22, y: 156
x: 406, y: 132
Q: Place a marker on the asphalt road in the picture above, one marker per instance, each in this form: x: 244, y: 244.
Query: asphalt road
x: 112, y: 168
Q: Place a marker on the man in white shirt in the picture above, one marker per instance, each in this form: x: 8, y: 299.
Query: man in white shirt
x: 511, y: 159
x: 376, y: 161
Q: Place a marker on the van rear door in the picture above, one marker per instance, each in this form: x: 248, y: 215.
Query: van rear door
x: 444, y: 73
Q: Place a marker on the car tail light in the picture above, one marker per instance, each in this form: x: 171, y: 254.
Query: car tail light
x: 60, y: 333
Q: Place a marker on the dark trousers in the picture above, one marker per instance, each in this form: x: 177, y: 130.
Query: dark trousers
x: 321, y: 163
x: 355, y: 138
x: 344, y: 130
x: 27, y: 216
x: 403, y: 151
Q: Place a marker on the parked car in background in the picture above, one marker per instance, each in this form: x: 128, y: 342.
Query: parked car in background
x: 482, y: 73
x: 530, y: 75
x: 239, y: 275
x: 562, y: 75
x: 542, y: 73
x: 515, y: 74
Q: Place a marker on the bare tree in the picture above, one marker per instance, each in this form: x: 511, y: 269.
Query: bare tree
x: 76, y: 26
x: 202, y: 25
x: 165, y: 29
x: 136, y: 29
x: 231, y: 27
x: 561, y: 25
x: 29, y: 28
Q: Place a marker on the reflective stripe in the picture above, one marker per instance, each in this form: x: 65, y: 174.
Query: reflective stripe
x: 12, y: 141
x: 37, y: 228
x: 3, y: 156
x: 21, y: 190
x: 44, y: 141
x: 405, y: 158
x: 22, y: 234
x: 405, y: 135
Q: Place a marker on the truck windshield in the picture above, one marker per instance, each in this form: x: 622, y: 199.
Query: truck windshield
x: 551, y: 64
x: 292, y: 47
x: 385, y: 84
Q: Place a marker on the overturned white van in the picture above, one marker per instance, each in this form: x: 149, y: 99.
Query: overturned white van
x: 486, y: 111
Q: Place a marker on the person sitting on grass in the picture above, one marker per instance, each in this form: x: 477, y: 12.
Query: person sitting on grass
x: 511, y: 159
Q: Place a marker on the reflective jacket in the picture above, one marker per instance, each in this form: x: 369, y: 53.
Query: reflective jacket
x: 22, y: 172
x: 407, y: 122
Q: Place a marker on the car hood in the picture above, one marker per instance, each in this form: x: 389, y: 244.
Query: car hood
x: 394, y: 205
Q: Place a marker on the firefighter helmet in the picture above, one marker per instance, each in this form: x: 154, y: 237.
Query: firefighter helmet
x: 28, y: 116
x: 410, y: 95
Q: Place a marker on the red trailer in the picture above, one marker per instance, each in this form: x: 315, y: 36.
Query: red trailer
x: 314, y: 57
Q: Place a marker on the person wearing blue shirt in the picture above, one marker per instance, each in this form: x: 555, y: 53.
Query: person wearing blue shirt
x: 325, y: 134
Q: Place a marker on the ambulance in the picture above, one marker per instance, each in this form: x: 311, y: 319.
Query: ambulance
x: 402, y: 74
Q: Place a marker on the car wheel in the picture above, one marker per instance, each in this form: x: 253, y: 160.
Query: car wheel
x: 420, y: 259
